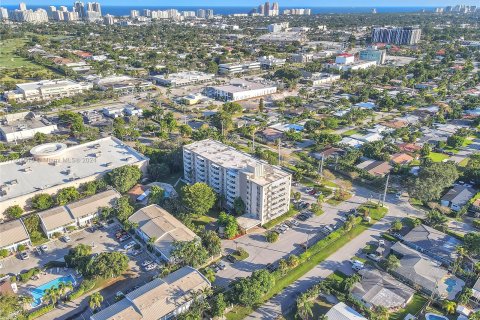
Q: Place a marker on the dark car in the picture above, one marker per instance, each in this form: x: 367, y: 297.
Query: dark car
x: 231, y: 258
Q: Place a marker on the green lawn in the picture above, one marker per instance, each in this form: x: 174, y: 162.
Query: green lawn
x: 350, y: 132
x: 309, y: 259
x: 8, y: 57
x: 413, y: 307
x: 464, y: 162
x: 370, y: 248
x: 203, y: 220
x: 240, y: 255
x: 438, y: 157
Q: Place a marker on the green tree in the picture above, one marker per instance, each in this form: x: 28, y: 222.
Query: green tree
x: 79, y: 257
x: 124, y: 178
x: 436, y: 219
x: 218, y: 305
x: 67, y: 195
x: 156, y: 195
x: 449, y: 306
x: 271, y: 236
x: 249, y: 291
x: 10, y: 304
x: 95, y: 301
x: 199, y: 197
x: 189, y: 253
x: 107, y: 265
x: 229, y: 223
x: 13, y: 212
x: 455, y: 141
x: 123, y: 209
x: 211, y: 242
x: 397, y: 225
x: 304, y: 306
x: 42, y: 201
x: 239, y: 206
x: 185, y: 131
x: 52, y: 295
x: 432, y: 180
x: 392, y: 263
x: 261, y: 105
x: 471, y: 243
x: 73, y: 120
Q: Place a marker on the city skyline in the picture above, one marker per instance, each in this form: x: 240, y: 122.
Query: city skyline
x: 252, y: 3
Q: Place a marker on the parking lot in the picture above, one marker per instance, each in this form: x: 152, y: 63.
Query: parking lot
x: 101, y: 240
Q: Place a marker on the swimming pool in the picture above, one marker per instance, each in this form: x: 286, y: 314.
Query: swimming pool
x: 296, y: 127
x: 450, y: 283
x: 433, y: 316
x: 39, y: 292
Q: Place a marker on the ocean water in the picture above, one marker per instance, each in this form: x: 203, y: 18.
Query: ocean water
x: 125, y: 10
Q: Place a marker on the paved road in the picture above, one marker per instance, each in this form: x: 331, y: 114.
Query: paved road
x: 282, y: 303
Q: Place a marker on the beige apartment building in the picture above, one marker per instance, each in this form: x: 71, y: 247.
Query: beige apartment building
x: 265, y: 189
x: 46, y: 90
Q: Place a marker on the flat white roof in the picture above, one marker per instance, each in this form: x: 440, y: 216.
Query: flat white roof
x: 240, y: 85
x: 26, y: 175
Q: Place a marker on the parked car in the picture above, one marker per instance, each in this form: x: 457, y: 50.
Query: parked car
x: 231, y: 258
x: 308, y: 189
x: 328, y: 228
x: 294, y: 222
x: 374, y: 257
x: 381, y: 243
x: 66, y: 238
x: 129, y: 245
x: 222, y: 265
x: 302, y: 217
x: 357, y: 265
x: 135, y: 252
x: 24, y: 255
x: 124, y: 238
x: 151, y: 266
x: 146, y: 263
x: 44, y: 248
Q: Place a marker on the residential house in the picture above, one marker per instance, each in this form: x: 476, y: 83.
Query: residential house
x: 159, y: 299
x: 401, y: 158
x: 426, y: 274
x: 270, y: 134
x: 56, y: 220
x: 379, y: 289
x: 434, y: 243
x: 475, y: 207
x: 476, y: 290
x: 457, y: 197
x: 375, y: 167
x: 341, y: 311
x: 158, y: 227
x: 12, y: 234
x: 409, y: 147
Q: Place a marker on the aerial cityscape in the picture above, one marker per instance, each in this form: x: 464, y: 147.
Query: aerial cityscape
x: 271, y: 160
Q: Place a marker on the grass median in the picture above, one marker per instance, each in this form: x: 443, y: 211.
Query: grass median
x: 314, y: 255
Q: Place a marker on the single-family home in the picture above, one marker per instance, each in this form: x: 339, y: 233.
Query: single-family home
x: 270, y: 134
x: 457, y: 197
x: 436, y: 244
x: 156, y: 225
x: 379, y: 289
x: 375, y: 167
x: 422, y: 272
x: 12, y: 234
x: 401, y: 158
x: 159, y: 299
x: 341, y: 311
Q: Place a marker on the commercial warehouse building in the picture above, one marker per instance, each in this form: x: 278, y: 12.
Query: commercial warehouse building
x: 183, y: 78
x: 240, y: 89
x: 53, y: 166
x: 265, y: 189
x: 24, y: 125
x: 46, y: 90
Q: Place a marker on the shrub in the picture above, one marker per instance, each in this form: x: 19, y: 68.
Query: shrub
x: 40, y: 312
x: 24, y: 277
x: 4, y: 253
x: 476, y: 223
x: 85, y: 287
x: 14, y: 212
x: 271, y: 236
x: 21, y: 247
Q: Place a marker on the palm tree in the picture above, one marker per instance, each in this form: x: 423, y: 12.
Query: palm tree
x: 52, y: 294
x: 449, y: 306
x: 95, y: 301
x: 304, y: 307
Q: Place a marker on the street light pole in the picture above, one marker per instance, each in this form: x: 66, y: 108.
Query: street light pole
x: 385, y: 191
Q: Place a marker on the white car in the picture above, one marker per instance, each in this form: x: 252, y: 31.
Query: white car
x: 151, y: 266
x: 357, y: 265
x: 44, y: 248
x: 129, y: 245
x: 66, y: 238
x: 309, y: 189
x: 381, y: 243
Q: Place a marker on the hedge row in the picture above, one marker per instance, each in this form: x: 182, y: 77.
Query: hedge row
x: 40, y: 312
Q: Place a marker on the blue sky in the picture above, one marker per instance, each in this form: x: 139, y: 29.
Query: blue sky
x: 251, y: 3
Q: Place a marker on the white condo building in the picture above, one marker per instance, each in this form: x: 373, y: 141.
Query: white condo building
x: 265, y: 189
x: 240, y: 89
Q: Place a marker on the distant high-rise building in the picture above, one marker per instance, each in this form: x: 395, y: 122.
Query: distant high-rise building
x: 79, y: 7
x: 261, y: 9
x: 267, y: 8
x: 94, y: 11
x: 147, y: 12
x: 201, y: 13
x: 399, y: 36
x: 209, y: 14
x: 3, y: 13
x: 134, y: 13
x: 63, y: 9
x: 275, y: 9
x: 22, y: 6
x: 37, y: 16
x: 108, y: 19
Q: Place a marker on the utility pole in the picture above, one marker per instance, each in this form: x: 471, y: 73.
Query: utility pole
x: 321, y: 167
x: 279, y: 143
x: 385, y: 191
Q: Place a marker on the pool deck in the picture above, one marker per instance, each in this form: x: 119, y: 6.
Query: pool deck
x: 443, y: 287
x: 43, y: 278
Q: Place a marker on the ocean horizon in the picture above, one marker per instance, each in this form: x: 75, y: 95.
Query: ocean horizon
x: 226, y: 10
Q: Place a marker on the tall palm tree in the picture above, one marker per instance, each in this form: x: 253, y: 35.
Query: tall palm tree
x: 304, y: 307
x: 95, y: 301
x: 449, y: 306
x: 52, y: 295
